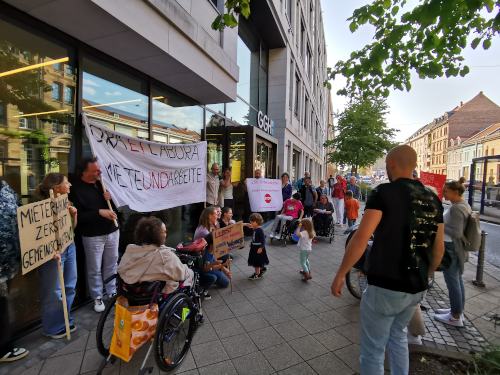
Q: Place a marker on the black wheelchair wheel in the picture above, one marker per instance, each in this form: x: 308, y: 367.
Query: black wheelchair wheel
x: 175, y: 331
x: 104, y: 331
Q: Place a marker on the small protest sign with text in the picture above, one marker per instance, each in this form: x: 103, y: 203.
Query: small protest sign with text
x: 228, y: 239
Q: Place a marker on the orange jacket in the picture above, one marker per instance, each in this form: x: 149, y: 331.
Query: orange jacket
x: 352, y: 208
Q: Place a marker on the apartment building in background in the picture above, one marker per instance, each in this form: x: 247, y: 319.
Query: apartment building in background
x: 433, y: 140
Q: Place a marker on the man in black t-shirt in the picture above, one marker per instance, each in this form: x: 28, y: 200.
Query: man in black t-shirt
x: 100, y: 235
x: 407, y: 222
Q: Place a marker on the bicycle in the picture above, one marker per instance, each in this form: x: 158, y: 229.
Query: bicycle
x: 180, y: 313
x: 356, y: 280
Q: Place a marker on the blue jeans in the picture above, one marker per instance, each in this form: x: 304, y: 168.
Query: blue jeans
x: 50, y: 291
x: 384, y: 316
x: 304, y: 260
x: 219, y: 278
x: 454, y: 281
x: 101, y: 257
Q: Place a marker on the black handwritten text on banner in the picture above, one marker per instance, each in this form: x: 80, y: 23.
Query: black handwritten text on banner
x: 148, y: 176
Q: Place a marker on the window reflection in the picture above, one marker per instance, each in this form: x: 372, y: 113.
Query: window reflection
x: 213, y: 120
x: 176, y: 119
x: 35, y: 121
x: 241, y: 113
x: 115, y: 98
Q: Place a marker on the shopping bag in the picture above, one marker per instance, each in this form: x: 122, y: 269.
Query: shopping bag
x: 134, y: 326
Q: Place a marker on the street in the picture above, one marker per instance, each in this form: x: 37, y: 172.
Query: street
x: 492, y: 242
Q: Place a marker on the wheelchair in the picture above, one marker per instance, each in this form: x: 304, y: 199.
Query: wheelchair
x: 286, y: 232
x: 328, y: 232
x: 173, y: 335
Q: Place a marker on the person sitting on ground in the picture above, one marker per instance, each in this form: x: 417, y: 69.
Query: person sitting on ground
x: 150, y: 260
x: 292, y: 209
x: 323, y: 211
x: 50, y: 291
x: 226, y: 218
x: 214, y: 271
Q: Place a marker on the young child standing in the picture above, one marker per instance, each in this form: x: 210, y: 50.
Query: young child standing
x: 257, y: 257
x: 305, y: 232
x: 352, y: 208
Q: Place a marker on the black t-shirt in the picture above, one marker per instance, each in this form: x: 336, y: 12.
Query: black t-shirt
x: 89, y: 199
x: 403, y: 241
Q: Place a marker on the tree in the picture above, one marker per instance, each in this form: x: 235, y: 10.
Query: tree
x: 362, y: 135
x: 428, y: 39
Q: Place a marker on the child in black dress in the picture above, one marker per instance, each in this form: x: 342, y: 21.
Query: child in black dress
x: 257, y: 257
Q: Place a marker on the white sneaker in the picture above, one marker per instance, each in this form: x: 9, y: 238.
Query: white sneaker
x: 99, y: 306
x: 414, y: 340
x: 449, y: 319
x: 443, y: 311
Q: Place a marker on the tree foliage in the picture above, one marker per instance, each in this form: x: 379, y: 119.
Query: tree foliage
x: 361, y: 134
x: 428, y: 39
x: 229, y: 18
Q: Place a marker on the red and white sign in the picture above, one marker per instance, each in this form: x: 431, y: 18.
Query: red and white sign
x: 264, y: 194
x: 434, y: 180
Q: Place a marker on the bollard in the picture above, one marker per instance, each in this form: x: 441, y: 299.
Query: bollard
x: 480, y: 262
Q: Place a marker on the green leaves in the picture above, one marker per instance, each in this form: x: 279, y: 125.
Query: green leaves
x: 362, y: 135
x: 427, y: 39
x: 234, y: 8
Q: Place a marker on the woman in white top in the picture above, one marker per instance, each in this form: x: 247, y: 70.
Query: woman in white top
x: 305, y: 232
x: 226, y: 189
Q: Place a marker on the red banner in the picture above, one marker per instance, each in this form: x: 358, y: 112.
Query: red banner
x: 434, y: 180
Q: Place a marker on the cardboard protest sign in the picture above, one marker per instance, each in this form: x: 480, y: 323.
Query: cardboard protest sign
x: 44, y: 228
x: 228, y: 239
x: 148, y: 176
x: 264, y: 194
x: 434, y: 180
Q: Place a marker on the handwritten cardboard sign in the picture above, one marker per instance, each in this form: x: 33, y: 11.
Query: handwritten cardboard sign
x: 228, y: 239
x: 44, y: 228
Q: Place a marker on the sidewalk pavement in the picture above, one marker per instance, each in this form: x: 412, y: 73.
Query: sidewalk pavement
x: 276, y: 325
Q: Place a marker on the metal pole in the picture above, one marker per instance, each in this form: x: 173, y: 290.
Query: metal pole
x: 480, y: 262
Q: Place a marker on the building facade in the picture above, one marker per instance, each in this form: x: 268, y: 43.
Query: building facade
x: 462, y: 122
x: 156, y: 70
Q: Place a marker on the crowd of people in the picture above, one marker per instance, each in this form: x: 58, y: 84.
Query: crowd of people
x: 411, y: 233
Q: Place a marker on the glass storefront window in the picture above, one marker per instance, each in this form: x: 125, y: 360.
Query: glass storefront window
x: 237, y: 150
x: 35, y: 132
x: 264, y: 158
x: 213, y: 120
x: 241, y: 113
x: 114, y: 97
x: 175, y: 117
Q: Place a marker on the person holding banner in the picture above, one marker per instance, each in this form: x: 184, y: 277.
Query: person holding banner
x: 100, y: 235
x: 213, y: 184
x: 53, y: 324
x: 286, y: 186
x: 226, y: 189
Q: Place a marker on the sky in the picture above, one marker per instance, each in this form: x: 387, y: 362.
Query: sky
x: 428, y: 99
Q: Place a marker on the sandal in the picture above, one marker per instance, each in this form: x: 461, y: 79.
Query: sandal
x: 14, y: 355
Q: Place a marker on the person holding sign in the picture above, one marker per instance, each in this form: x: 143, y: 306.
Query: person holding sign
x: 226, y: 189
x: 53, y: 324
x: 100, y: 235
x: 226, y: 217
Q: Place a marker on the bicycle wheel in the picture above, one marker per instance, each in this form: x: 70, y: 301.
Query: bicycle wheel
x: 356, y: 282
x: 104, y: 331
x: 175, y: 331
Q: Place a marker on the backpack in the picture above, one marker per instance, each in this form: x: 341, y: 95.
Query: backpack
x: 472, y: 233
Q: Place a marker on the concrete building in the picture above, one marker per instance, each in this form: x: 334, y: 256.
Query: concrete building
x: 420, y: 142
x: 156, y: 70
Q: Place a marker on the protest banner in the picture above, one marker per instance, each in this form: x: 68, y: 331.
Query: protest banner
x: 264, y: 194
x: 434, y: 180
x: 148, y: 176
x: 228, y: 239
x: 44, y: 228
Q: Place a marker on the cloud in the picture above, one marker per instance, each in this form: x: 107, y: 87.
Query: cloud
x: 88, y: 91
x: 112, y: 93
x: 90, y: 82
